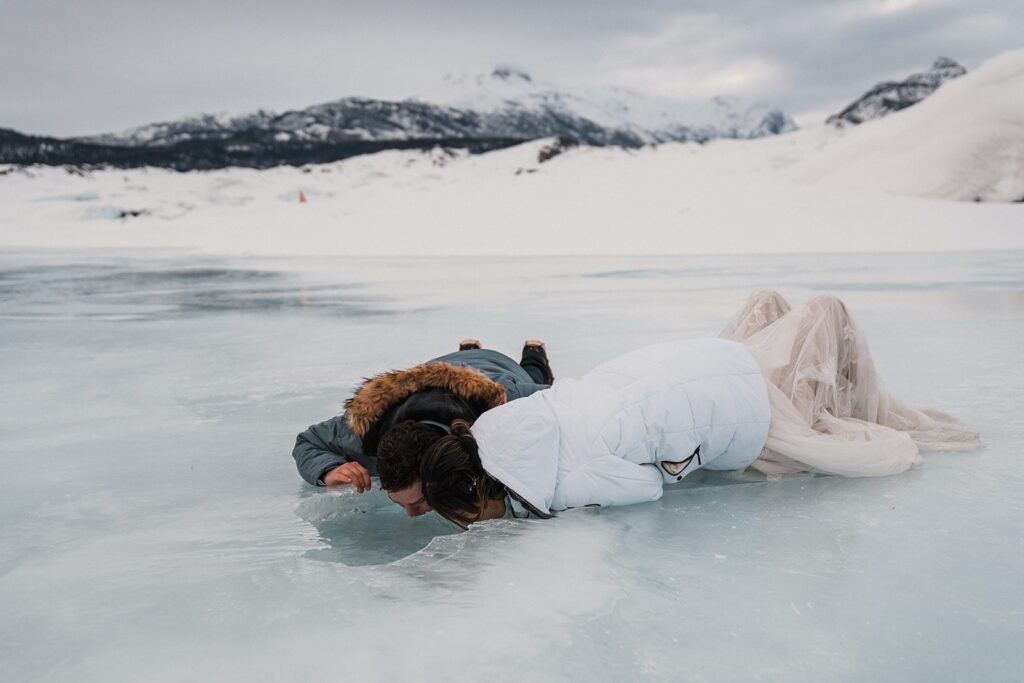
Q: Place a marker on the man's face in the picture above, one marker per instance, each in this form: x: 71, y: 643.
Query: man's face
x: 411, y: 499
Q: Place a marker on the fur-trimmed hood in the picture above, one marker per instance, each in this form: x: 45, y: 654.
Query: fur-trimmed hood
x: 376, y: 395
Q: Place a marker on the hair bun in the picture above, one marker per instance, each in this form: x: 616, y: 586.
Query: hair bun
x: 460, y: 428
x: 461, y: 431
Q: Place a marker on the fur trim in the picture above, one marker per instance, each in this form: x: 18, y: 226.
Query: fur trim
x: 379, y: 393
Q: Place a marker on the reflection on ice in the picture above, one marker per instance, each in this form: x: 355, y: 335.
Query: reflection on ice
x: 135, y: 289
x: 368, y: 529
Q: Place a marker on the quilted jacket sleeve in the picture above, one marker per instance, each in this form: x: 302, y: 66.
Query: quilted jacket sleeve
x: 324, y: 446
x: 608, y: 480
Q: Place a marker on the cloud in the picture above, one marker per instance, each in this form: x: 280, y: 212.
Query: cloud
x: 845, y: 11
x: 807, y: 57
x: 739, y: 75
x: 693, y: 57
x: 109, y: 64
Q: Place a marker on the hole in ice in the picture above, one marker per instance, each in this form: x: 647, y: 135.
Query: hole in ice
x: 367, y: 528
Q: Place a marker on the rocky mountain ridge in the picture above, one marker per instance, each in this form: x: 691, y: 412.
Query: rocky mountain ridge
x: 892, y: 96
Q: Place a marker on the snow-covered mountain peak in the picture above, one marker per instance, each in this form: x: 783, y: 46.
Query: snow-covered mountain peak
x: 509, y: 92
x: 488, y: 92
x: 947, y: 68
x: 507, y: 73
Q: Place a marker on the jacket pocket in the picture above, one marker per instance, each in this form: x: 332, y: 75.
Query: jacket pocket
x: 675, y: 471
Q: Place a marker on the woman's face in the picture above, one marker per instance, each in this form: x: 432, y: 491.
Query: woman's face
x: 493, y: 509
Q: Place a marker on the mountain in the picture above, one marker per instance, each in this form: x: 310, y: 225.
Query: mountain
x: 182, y: 148
x: 346, y: 120
x: 508, y: 97
x: 505, y: 104
x: 482, y: 113
x: 891, y: 96
x: 16, y: 148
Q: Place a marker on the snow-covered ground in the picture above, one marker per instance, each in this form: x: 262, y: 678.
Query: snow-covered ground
x: 154, y: 527
x: 903, y: 183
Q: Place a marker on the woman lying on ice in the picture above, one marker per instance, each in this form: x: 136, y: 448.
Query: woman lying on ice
x: 781, y: 391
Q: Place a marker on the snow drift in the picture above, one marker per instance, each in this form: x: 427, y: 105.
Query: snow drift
x: 965, y: 142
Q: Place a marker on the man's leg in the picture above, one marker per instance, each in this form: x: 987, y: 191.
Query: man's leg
x: 535, y: 362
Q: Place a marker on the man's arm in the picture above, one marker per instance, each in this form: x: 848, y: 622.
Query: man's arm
x: 327, y: 445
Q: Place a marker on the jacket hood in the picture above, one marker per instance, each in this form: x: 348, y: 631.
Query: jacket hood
x: 378, y: 394
x: 519, y: 445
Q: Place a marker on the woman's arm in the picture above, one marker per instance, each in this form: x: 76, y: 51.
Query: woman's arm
x: 608, y: 480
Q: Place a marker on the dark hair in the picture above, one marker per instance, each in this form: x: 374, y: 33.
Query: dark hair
x: 400, y: 451
x: 439, y: 405
x: 454, y: 482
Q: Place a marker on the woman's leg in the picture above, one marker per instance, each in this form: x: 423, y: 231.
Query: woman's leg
x: 831, y: 410
x: 763, y: 308
x: 863, y: 396
x: 831, y: 370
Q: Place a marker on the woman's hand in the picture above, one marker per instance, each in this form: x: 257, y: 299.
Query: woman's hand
x: 350, y: 473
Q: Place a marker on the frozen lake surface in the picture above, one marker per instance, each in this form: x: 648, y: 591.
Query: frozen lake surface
x: 155, y: 528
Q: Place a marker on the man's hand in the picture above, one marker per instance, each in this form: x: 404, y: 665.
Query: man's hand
x: 349, y: 473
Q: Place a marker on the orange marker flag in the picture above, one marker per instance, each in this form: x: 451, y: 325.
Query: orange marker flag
x: 302, y: 197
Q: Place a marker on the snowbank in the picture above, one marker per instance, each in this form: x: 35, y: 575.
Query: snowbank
x: 965, y: 142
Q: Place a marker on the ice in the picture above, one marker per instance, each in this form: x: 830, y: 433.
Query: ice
x: 154, y: 527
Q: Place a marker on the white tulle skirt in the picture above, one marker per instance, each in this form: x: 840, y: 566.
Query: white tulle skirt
x: 831, y: 413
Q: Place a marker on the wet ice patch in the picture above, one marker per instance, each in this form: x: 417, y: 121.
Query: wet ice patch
x: 351, y: 526
x: 146, y: 289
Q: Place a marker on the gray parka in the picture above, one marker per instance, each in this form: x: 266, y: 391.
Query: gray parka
x: 334, y: 442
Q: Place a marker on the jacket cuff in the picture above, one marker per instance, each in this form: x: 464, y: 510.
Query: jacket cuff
x: 318, y: 466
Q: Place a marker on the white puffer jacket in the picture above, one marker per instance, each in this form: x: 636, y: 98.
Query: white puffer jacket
x: 615, y: 436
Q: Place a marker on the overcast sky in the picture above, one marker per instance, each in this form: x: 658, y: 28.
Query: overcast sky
x: 71, y: 68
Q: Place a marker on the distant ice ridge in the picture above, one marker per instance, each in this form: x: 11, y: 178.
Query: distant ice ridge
x: 892, y: 96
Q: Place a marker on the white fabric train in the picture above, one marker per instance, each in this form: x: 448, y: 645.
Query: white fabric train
x: 831, y: 411
x: 615, y: 436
